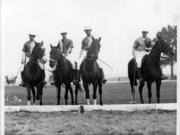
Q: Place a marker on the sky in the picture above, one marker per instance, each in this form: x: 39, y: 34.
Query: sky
x: 117, y: 22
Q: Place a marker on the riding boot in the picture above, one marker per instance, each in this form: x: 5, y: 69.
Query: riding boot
x: 76, y: 73
x: 102, y: 76
x: 140, y: 75
x: 76, y: 77
x: 22, y: 77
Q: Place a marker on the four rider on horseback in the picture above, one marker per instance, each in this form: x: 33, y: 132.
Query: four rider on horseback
x: 141, y: 47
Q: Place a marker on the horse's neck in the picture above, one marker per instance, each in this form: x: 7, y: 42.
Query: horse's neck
x: 60, y: 61
x: 33, y: 59
x: 90, y: 64
x: 154, y: 56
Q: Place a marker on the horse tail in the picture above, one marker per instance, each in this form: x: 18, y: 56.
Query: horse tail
x: 132, y: 72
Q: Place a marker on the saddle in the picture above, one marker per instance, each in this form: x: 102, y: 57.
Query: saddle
x: 143, y: 59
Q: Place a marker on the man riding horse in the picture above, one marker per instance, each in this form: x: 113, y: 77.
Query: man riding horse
x: 86, y: 42
x: 66, y: 46
x: 26, y: 53
x: 141, y: 47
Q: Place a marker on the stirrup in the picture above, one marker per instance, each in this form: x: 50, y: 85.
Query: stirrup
x: 104, y: 81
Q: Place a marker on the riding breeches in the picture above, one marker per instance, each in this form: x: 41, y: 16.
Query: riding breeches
x: 139, y: 56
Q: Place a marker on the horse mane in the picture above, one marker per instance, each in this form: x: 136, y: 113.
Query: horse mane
x: 94, y: 48
x: 37, y: 53
x: 57, y: 55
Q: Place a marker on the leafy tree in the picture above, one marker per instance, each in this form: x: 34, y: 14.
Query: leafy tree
x: 169, y: 34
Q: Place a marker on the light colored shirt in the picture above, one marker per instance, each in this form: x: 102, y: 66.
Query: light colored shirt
x: 66, y: 45
x: 28, y: 47
x: 86, y: 42
x: 141, y: 43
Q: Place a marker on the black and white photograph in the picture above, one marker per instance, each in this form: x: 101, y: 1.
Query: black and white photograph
x: 89, y: 67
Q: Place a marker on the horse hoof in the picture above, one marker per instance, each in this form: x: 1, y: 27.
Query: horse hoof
x: 94, y: 102
x: 37, y: 97
x: 132, y: 102
x: 28, y: 103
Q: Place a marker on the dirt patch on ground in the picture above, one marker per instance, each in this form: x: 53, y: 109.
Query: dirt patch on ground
x: 91, y: 123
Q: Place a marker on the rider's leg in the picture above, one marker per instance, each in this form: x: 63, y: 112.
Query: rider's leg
x: 139, y: 56
x: 44, y: 76
x: 76, y: 73
x: 22, y: 72
x: 22, y: 78
x: 101, y: 72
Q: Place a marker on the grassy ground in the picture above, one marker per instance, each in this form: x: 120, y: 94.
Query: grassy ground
x: 91, y: 123
x: 113, y: 93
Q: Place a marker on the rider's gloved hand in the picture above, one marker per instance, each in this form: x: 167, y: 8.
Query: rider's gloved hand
x: 44, y: 61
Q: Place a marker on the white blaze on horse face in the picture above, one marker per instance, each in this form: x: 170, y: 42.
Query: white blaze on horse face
x: 87, y: 100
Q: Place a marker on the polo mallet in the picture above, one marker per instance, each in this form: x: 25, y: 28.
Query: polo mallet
x: 105, y: 64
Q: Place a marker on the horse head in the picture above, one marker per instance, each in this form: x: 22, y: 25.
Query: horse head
x: 38, y: 51
x: 55, y: 55
x: 93, y: 50
x: 164, y: 47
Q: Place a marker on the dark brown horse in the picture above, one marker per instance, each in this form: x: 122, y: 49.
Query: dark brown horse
x: 63, y: 73
x: 90, y: 72
x: 151, y: 70
x: 34, y: 75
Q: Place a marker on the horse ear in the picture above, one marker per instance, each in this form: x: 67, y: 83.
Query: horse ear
x: 93, y: 38
x: 41, y: 43
x: 99, y: 39
x: 51, y: 45
x: 58, y: 45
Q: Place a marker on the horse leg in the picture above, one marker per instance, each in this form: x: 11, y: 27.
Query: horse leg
x: 94, y: 93
x: 86, y: 87
x: 140, y: 92
x: 34, y: 95
x: 100, y: 93
x: 132, y: 92
x: 40, y: 92
x: 58, y: 94
x: 66, y: 94
x: 72, y: 96
x: 158, y: 85
x: 28, y: 95
x: 76, y: 94
x: 149, y: 91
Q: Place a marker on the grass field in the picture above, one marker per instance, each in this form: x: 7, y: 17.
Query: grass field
x: 113, y: 93
x: 91, y: 123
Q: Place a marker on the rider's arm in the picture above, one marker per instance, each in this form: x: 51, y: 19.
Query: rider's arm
x: 60, y: 46
x: 134, y: 48
x: 70, y: 48
x: 82, y: 49
x: 23, y: 56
